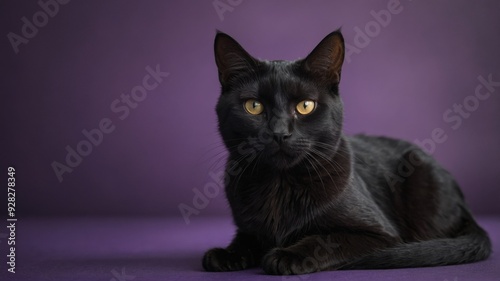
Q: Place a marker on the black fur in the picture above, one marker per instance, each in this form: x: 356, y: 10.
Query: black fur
x: 306, y: 198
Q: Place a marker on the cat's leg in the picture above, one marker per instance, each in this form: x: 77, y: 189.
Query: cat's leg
x: 427, y: 199
x: 434, y: 221
x: 245, y: 251
x: 322, y: 252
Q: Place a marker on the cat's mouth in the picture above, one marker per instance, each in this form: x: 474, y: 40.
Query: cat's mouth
x: 285, y: 157
x: 283, y: 150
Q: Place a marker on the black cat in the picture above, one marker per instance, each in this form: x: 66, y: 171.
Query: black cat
x: 305, y: 197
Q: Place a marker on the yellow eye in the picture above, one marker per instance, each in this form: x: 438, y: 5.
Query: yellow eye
x: 253, y: 107
x: 305, y: 107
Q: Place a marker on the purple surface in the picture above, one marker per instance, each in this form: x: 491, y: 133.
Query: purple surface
x: 66, y: 77
x: 168, y: 249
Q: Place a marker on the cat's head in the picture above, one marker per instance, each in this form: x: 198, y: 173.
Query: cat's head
x: 280, y: 113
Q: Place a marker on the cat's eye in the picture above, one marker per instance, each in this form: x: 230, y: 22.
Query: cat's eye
x: 253, y: 107
x: 305, y: 107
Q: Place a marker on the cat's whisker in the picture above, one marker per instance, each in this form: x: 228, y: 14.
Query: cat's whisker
x: 330, y: 158
x: 340, y: 152
x: 256, y: 162
x: 238, y: 163
x: 326, y: 170
x: 309, y: 158
x: 331, y: 161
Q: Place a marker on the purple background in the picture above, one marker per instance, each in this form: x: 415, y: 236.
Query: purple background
x: 65, y: 78
x: 83, y: 249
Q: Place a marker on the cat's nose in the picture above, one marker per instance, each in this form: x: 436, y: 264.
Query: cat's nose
x: 281, y: 129
x: 281, y: 137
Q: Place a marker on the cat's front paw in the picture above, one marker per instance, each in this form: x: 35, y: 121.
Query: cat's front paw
x: 285, y: 262
x: 218, y: 259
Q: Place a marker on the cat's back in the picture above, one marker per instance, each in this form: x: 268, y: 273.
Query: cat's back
x: 378, y: 150
x: 383, y: 160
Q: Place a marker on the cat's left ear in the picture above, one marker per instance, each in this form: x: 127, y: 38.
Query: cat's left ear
x: 325, y: 61
x: 231, y: 59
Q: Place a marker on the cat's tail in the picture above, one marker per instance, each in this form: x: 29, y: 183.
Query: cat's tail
x: 473, y: 245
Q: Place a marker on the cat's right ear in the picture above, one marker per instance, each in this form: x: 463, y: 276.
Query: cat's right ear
x: 231, y: 58
x: 325, y: 61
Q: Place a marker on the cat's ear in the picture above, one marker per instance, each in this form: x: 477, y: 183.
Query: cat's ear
x: 325, y: 61
x: 231, y: 58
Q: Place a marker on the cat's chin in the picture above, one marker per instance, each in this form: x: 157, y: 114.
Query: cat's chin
x: 284, y: 160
